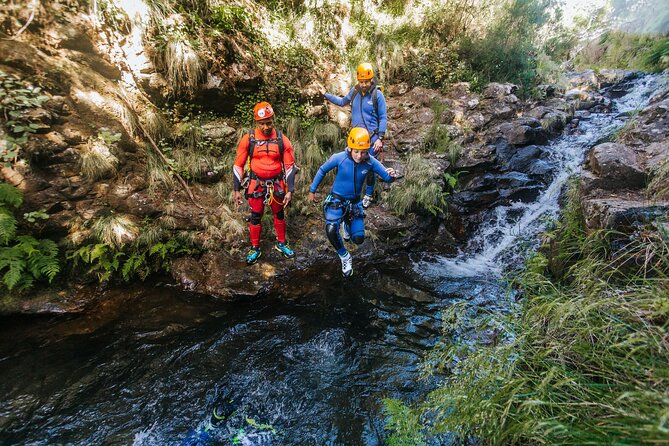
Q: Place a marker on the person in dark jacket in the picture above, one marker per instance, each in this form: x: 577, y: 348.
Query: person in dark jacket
x: 343, y: 203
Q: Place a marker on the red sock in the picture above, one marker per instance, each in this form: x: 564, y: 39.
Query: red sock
x: 280, y: 226
x: 255, y: 235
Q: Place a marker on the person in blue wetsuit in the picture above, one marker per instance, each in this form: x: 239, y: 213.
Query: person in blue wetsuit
x: 343, y: 203
x: 368, y: 110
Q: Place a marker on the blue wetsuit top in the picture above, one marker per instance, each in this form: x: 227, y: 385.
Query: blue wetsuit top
x: 350, y: 175
x: 362, y: 111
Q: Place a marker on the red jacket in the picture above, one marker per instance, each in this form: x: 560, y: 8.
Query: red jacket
x: 266, y: 162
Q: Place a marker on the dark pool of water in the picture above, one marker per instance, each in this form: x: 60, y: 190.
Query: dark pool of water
x: 151, y: 363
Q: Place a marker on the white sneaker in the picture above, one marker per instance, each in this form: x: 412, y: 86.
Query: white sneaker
x: 346, y: 264
x: 366, y: 201
x: 344, y: 233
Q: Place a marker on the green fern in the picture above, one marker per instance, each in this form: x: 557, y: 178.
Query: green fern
x: 10, y: 195
x: 14, y: 265
x: 23, y: 259
x: 7, y: 226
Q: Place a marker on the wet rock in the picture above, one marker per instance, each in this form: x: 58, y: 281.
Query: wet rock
x: 652, y: 123
x: 47, y: 301
x: 470, y: 200
x: 523, y: 131
x: 622, y: 214
x: 477, y: 158
x: 524, y: 157
x: 618, y: 165
x: 523, y: 194
x: 509, y: 180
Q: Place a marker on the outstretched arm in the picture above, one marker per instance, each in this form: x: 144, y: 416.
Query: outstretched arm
x: 339, y: 100
x: 387, y: 174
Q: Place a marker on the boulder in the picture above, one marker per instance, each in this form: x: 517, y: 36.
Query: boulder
x: 495, y: 90
x: 398, y: 89
x: 617, y: 165
x: 524, y: 159
x: 459, y: 90
x: 623, y: 214
x: 523, y: 131
x: 587, y: 79
x: 217, y: 130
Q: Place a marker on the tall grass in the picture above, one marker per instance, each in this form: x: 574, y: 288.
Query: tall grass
x: 97, y: 161
x: 659, y: 185
x: 419, y: 191
x: 583, y: 360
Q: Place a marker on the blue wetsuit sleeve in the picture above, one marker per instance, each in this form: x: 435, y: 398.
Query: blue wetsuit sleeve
x: 327, y: 166
x: 380, y: 170
x: 383, y: 114
x: 340, y: 101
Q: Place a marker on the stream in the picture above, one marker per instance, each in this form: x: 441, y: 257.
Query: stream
x: 151, y: 363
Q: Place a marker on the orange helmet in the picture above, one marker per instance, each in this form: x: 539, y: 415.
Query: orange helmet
x: 262, y: 110
x: 358, y: 139
x: 365, y: 71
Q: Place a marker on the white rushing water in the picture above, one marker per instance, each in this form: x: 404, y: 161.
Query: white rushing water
x: 511, y: 228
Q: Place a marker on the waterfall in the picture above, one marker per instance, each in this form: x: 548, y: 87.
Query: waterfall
x: 510, y: 229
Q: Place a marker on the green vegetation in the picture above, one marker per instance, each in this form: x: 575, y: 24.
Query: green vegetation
x: 438, y: 138
x: 617, y: 49
x: 115, y: 246
x: 97, y: 161
x: 582, y: 360
x: 658, y: 188
x: 420, y: 190
x: 17, y: 99
x: 23, y: 259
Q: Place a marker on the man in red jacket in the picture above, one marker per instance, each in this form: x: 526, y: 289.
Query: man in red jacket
x: 270, y: 172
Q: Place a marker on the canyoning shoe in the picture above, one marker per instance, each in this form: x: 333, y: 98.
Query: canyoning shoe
x: 366, y: 201
x: 253, y: 255
x: 346, y: 264
x: 284, y: 249
x: 345, y: 233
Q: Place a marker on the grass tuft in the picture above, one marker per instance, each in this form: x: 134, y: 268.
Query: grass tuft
x: 418, y: 191
x: 97, y: 161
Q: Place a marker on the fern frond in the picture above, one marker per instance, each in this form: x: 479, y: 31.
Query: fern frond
x: 10, y: 195
x: 15, y: 268
x: 7, y: 227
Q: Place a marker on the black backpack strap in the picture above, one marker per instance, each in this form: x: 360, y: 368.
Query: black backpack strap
x: 279, y: 137
x: 252, y: 144
x: 375, y: 101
